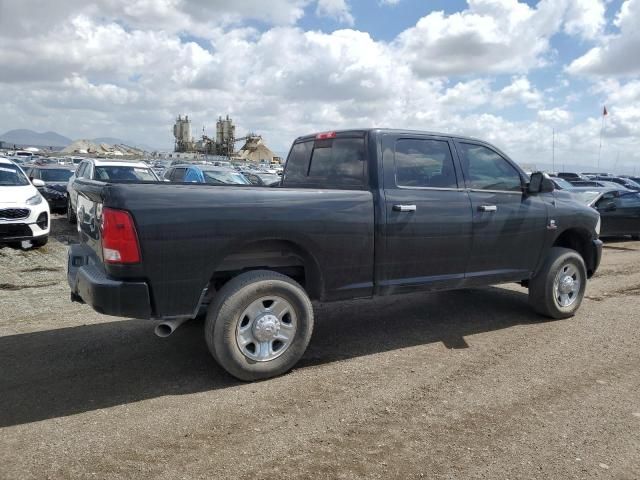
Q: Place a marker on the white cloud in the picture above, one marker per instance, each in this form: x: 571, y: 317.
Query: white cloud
x: 615, y: 54
x: 585, y: 18
x: 337, y: 9
x: 467, y: 95
x: 491, y: 36
x: 520, y: 92
x: 554, y: 116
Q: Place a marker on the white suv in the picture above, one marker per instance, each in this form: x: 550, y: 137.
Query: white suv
x: 106, y: 171
x: 24, y: 214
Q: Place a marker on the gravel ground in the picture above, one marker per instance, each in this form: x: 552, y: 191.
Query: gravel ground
x: 465, y: 384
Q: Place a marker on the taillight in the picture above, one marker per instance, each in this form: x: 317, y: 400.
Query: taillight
x: 119, y: 237
x: 325, y: 135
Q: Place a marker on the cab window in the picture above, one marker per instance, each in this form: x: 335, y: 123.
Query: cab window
x: 484, y: 169
x: 424, y: 163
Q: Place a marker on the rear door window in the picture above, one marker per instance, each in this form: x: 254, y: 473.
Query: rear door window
x: 424, y: 163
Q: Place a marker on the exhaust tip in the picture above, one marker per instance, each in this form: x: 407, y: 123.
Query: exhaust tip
x: 163, y: 330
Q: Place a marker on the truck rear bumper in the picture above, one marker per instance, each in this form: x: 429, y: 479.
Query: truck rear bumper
x: 90, y: 283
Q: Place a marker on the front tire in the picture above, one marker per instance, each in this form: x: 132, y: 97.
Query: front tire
x: 558, y: 288
x: 259, y: 325
x: 71, y: 215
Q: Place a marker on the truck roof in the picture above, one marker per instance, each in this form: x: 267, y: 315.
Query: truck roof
x: 389, y: 130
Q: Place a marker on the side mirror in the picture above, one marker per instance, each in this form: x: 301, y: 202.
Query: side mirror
x: 540, y: 183
x: 37, y: 182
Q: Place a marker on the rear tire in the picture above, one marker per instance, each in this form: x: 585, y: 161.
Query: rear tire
x: 71, y: 215
x: 259, y: 325
x: 558, y: 288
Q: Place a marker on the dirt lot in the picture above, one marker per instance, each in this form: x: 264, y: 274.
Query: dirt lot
x: 466, y: 384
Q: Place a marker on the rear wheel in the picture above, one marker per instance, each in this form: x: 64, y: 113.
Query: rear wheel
x: 259, y: 325
x: 558, y: 289
x: 71, y: 215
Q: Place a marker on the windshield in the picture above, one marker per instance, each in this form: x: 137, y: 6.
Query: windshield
x: 562, y: 183
x: 611, y: 184
x: 629, y: 182
x: 124, y: 173
x: 12, y: 176
x: 269, y: 178
x: 585, y: 197
x: 55, y: 175
x: 217, y: 177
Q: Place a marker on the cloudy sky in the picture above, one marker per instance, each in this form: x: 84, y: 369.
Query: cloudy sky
x: 507, y: 71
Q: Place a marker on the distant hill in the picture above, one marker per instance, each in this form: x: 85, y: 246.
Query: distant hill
x: 119, y: 141
x: 29, y: 138
x: 25, y: 138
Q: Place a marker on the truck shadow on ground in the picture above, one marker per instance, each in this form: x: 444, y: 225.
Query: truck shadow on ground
x: 66, y: 371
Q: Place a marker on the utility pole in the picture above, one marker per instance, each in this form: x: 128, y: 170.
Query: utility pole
x: 553, y: 150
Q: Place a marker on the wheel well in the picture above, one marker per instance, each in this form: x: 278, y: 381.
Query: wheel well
x: 580, y: 241
x: 279, y: 256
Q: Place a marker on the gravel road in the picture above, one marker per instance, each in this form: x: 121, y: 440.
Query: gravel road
x: 455, y: 385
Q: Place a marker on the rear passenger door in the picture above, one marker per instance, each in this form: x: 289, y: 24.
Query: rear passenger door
x: 428, y: 215
x: 509, y: 228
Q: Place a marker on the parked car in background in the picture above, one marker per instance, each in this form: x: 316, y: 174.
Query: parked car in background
x: 211, y: 174
x: 625, y: 182
x: 619, y: 211
x: 24, y: 214
x: 586, y: 183
x: 110, y: 171
x: 571, y: 176
x: 631, y: 177
x: 263, y: 179
x: 55, y: 180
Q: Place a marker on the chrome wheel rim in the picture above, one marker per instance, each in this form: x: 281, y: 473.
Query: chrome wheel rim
x: 566, y: 285
x: 266, y: 328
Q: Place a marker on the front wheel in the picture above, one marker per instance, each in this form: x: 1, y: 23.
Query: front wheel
x: 558, y: 288
x: 259, y: 325
x: 71, y: 215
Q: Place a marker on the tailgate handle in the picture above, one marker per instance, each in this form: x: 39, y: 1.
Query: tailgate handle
x: 404, y: 208
x: 488, y: 208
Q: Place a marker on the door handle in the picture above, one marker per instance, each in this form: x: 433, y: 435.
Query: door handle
x: 404, y: 208
x: 488, y: 208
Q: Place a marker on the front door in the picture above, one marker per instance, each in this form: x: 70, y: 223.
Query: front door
x: 509, y: 227
x: 427, y: 234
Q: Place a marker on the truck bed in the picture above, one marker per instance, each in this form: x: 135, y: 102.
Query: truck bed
x: 189, y: 231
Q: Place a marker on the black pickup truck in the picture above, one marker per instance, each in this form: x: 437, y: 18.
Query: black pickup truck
x: 359, y: 213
